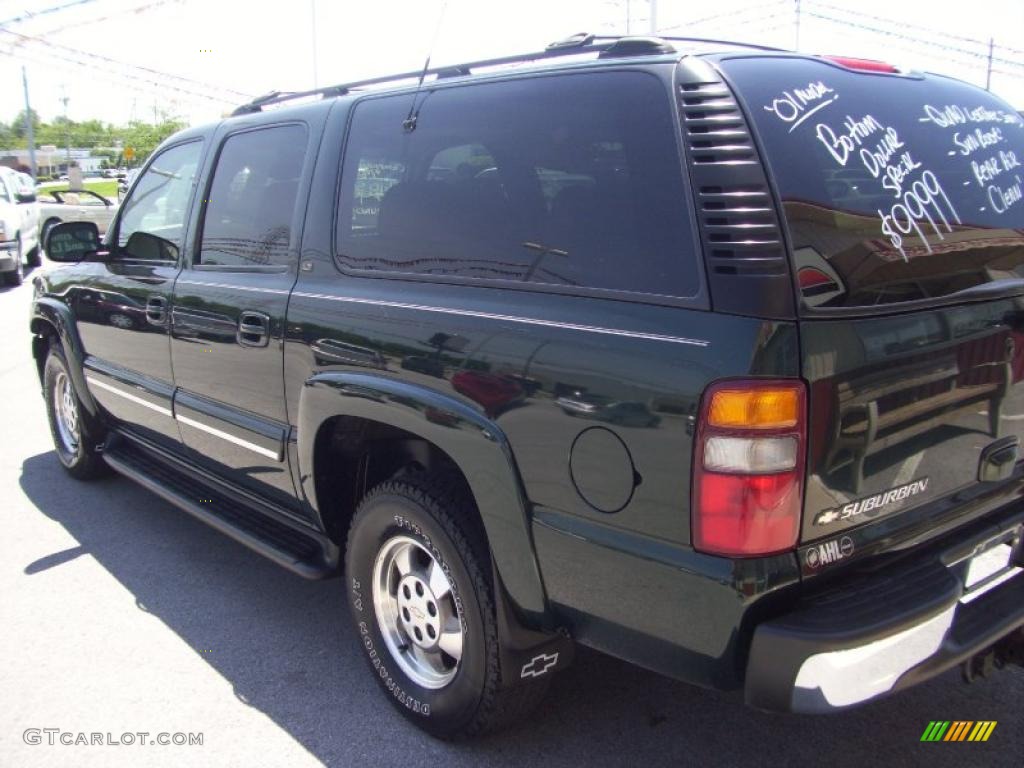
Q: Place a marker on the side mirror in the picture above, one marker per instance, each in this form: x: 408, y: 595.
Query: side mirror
x: 71, y: 241
x: 25, y: 197
x: 149, y: 247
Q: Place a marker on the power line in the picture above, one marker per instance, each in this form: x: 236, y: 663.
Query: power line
x: 29, y: 15
x: 928, y: 30
x: 157, y: 89
x: 732, y: 13
x: 124, y: 11
x: 99, y: 57
x: 890, y: 33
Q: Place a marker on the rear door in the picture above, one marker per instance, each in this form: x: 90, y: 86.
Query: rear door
x: 904, y: 201
x: 229, y: 308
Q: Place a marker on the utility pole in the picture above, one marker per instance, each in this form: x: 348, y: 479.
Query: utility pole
x: 30, y: 129
x: 67, y: 129
x: 796, y: 30
x: 312, y: 10
x: 654, y: 17
x: 629, y: 15
x: 988, y: 73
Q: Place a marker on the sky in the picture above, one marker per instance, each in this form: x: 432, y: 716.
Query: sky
x: 112, y: 58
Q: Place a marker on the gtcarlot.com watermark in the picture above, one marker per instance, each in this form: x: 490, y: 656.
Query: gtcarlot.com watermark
x: 54, y: 736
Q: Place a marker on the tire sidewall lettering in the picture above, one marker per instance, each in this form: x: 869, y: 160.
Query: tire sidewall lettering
x: 409, y: 702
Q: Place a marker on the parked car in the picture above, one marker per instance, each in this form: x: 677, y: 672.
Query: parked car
x: 125, y: 181
x: 19, y: 241
x: 826, y: 508
x: 56, y: 206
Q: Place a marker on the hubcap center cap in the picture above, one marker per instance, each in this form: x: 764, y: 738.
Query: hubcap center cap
x: 417, y: 608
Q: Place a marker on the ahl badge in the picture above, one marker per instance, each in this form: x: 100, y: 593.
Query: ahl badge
x: 871, y: 504
x: 829, y: 552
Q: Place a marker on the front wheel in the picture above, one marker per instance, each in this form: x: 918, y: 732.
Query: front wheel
x: 76, y: 436
x: 420, y: 592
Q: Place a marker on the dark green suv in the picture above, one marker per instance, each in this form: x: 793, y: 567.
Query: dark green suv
x: 703, y: 355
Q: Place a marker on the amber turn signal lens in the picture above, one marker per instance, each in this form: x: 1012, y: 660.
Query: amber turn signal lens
x: 769, y: 408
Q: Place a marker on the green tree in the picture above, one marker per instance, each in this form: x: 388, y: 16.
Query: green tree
x: 18, y: 124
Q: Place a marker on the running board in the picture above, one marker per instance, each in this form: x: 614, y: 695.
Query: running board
x: 301, y: 550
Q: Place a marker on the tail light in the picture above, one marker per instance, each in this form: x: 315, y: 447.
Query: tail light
x: 748, y: 469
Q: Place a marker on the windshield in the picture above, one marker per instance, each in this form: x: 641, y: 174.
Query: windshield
x: 894, y: 188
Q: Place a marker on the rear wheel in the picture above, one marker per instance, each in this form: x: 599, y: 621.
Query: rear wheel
x: 421, y: 597
x: 76, y: 436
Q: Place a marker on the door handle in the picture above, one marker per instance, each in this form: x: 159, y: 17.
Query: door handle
x: 253, y: 329
x: 156, y: 310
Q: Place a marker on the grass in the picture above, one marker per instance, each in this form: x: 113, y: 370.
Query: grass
x: 105, y: 187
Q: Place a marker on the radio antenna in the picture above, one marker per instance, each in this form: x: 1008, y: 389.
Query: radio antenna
x: 409, y: 124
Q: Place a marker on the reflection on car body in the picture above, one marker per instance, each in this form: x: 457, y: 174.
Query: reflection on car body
x: 625, y: 413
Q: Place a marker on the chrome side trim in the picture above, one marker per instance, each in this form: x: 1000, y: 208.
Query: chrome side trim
x: 508, y: 318
x: 230, y: 438
x: 842, y: 678
x: 185, y: 420
x: 201, y: 284
x: 129, y: 396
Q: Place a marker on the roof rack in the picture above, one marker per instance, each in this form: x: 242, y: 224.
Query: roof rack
x: 606, y: 46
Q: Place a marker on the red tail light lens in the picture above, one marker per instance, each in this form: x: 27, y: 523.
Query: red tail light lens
x: 748, y: 471
x: 864, y: 65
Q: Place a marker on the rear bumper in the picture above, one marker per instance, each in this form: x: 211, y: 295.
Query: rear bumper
x: 884, y: 631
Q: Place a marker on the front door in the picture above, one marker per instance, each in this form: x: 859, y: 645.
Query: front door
x: 229, y: 310
x: 122, y: 305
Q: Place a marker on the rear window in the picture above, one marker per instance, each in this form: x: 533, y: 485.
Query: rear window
x: 894, y: 188
x: 570, y: 180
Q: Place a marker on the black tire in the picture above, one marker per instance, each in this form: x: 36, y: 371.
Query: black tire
x: 436, y: 512
x: 18, y: 273
x: 34, y: 259
x: 83, y: 461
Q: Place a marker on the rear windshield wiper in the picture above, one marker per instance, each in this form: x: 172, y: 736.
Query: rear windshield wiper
x: 1009, y: 285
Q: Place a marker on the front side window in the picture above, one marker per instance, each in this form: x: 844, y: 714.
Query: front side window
x: 3, y: 192
x: 153, y: 217
x: 251, y: 204
x: 568, y: 180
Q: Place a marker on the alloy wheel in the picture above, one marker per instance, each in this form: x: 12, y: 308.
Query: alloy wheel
x: 417, y: 612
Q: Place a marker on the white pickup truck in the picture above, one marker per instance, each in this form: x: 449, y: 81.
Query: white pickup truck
x: 19, y: 225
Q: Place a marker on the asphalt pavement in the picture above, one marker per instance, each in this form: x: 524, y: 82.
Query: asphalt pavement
x: 121, y: 615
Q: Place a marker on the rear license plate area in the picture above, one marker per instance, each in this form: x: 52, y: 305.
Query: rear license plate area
x: 990, y: 568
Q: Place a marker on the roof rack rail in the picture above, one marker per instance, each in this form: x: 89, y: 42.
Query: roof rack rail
x: 604, y: 45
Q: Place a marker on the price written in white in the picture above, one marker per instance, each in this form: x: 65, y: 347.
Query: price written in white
x: 921, y: 201
x: 1002, y: 195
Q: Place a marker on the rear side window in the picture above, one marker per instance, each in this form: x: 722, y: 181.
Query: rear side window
x: 251, y: 206
x: 895, y: 189
x: 568, y: 180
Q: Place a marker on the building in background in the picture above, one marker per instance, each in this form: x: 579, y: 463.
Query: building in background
x: 50, y: 160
